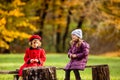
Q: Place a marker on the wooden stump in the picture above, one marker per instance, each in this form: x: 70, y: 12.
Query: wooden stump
x: 100, y: 72
x: 16, y: 76
x: 39, y: 73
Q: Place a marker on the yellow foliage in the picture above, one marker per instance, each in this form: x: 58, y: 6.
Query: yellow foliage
x: 111, y: 14
x: 9, y: 36
x: 112, y: 54
x: 34, y: 18
x: 3, y: 44
x: 117, y: 1
x: 117, y: 22
x: 60, y: 21
x: 57, y: 2
x: 18, y: 3
x: 2, y: 28
x: 16, y: 12
x: 3, y: 12
x: 2, y: 21
x: 21, y: 24
x: 8, y: 39
x: 57, y: 12
x: 23, y: 35
x: 74, y: 3
x: 8, y: 15
x: 115, y: 11
x: 32, y: 27
x: 26, y: 24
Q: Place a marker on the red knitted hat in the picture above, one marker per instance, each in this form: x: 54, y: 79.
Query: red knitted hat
x: 34, y: 37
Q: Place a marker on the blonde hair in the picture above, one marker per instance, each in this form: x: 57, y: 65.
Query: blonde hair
x: 78, y: 44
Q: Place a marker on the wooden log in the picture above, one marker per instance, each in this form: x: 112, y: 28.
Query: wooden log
x: 39, y: 73
x: 8, y: 72
x: 100, y: 72
x: 16, y: 76
x: 87, y: 66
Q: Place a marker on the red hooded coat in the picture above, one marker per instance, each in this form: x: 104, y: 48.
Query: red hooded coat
x: 32, y: 53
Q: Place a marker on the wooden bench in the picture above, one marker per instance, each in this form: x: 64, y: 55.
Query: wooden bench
x: 14, y: 72
x: 99, y: 72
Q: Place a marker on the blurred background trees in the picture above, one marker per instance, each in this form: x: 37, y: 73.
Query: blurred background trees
x: 55, y: 19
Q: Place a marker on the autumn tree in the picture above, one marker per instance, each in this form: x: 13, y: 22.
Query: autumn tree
x: 103, y: 18
x: 55, y: 19
x: 14, y: 24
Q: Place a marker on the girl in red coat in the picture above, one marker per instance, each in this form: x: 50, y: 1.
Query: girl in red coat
x: 34, y: 56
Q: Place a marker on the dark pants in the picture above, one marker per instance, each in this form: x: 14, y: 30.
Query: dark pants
x: 76, y: 73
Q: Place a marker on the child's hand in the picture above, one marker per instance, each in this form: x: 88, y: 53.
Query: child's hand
x: 32, y: 61
x: 73, y: 56
x: 36, y: 60
x: 70, y: 55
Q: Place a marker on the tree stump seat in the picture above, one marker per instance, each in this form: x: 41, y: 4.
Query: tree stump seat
x: 99, y: 72
x: 39, y: 73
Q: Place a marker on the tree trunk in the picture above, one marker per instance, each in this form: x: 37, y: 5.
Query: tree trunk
x: 58, y: 39
x: 42, y: 13
x: 66, y: 31
x: 80, y: 22
x: 4, y: 50
x: 39, y: 73
x: 100, y: 72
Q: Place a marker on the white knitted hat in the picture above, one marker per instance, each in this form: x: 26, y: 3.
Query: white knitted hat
x: 77, y: 32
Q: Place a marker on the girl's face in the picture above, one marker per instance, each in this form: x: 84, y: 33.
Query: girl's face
x: 74, y: 37
x: 35, y: 43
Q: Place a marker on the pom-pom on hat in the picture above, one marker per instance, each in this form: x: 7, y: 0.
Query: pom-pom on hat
x: 77, y: 32
x: 34, y: 37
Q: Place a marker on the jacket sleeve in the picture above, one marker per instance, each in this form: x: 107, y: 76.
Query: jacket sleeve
x: 85, y: 50
x: 42, y: 58
x: 26, y: 57
x: 69, y: 52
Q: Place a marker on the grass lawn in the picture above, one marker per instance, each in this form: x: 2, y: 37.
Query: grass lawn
x: 14, y: 61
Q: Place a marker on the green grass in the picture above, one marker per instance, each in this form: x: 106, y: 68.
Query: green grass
x: 14, y: 61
